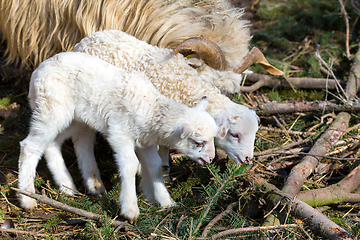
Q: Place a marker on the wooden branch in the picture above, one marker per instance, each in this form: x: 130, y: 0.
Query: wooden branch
x: 300, y: 172
x: 312, y: 217
x: 353, y: 85
x: 346, y: 17
x: 261, y: 80
x: 68, y: 208
x: 252, y: 229
x: 37, y: 234
x: 317, y: 106
x: 336, y: 193
x: 327, y: 228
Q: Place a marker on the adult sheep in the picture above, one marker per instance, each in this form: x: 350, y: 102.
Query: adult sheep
x: 37, y: 29
x: 72, y: 93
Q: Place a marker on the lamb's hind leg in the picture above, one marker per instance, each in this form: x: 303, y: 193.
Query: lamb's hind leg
x: 43, y: 131
x: 84, y: 140
x: 152, y: 181
x: 56, y: 163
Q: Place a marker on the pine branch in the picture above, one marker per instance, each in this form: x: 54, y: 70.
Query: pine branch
x: 216, y: 188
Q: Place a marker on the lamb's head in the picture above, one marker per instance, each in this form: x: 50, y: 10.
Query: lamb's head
x: 237, y: 130
x: 195, y: 133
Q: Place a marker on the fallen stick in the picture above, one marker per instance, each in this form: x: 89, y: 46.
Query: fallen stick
x: 353, y: 85
x: 252, y: 229
x: 336, y: 193
x: 300, y: 172
x: 217, y: 218
x: 317, y: 106
x: 261, y: 80
x: 68, y: 208
x: 37, y: 234
x: 312, y: 217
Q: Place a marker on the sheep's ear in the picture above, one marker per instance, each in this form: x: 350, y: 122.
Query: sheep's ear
x: 203, y: 104
x: 185, y: 131
x: 234, y: 119
x: 223, y: 126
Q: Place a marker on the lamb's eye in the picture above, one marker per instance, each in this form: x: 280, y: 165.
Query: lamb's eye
x: 199, y: 144
x: 235, y: 135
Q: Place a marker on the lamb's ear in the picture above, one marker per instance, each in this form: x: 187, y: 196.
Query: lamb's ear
x: 185, y: 131
x: 203, y: 104
x: 234, y: 119
x: 223, y: 126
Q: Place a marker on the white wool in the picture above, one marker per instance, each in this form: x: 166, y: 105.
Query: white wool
x: 174, y: 78
x: 75, y: 94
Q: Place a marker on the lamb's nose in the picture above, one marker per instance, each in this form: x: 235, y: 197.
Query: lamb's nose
x: 211, y: 159
x: 248, y: 160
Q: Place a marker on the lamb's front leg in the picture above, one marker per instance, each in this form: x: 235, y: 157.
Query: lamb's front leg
x: 152, y: 182
x: 128, y: 163
x: 165, y: 158
x: 84, y: 140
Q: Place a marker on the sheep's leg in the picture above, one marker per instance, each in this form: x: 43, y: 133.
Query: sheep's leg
x: 31, y: 151
x: 32, y: 147
x: 84, y: 140
x: 153, y: 175
x: 128, y: 163
x: 56, y: 163
x: 146, y: 182
x: 165, y: 159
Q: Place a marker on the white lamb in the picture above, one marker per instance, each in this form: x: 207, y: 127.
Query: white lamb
x: 73, y: 93
x: 172, y: 76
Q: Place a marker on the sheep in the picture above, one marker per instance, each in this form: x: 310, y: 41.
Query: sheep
x: 173, y: 77
x: 36, y: 29
x: 75, y: 94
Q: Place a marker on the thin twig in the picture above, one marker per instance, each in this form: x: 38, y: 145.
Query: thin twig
x: 15, y: 231
x: 217, y: 218
x: 284, y: 147
x: 287, y: 131
x: 346, y: 17
x: 252, y: 229
x: 68, y: 208
x: 96, y: 230
x: 276, y: 205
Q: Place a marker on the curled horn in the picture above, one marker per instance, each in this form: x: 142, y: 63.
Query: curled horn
x: 208, y: 51
x: 256, y: 56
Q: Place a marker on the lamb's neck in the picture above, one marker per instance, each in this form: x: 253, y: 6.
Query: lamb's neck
x: 165, y: 121
x: 218, y: 104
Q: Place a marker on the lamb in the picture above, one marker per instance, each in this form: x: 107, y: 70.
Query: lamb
x: 173, y: 77
x: 75, y: 94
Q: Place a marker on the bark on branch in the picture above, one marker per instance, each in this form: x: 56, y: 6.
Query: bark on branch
x: 336, y: 193
x: 317, y: 106
x: 353, y: 85
x: 315, y: 219
x: 300, y: 172
x: 260, y: 80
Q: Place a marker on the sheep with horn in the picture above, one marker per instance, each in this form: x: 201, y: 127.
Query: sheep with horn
x: 35, y: 30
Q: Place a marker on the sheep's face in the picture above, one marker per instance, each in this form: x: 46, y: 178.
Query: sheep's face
x: 237, y: 135
x: 195, y: 135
